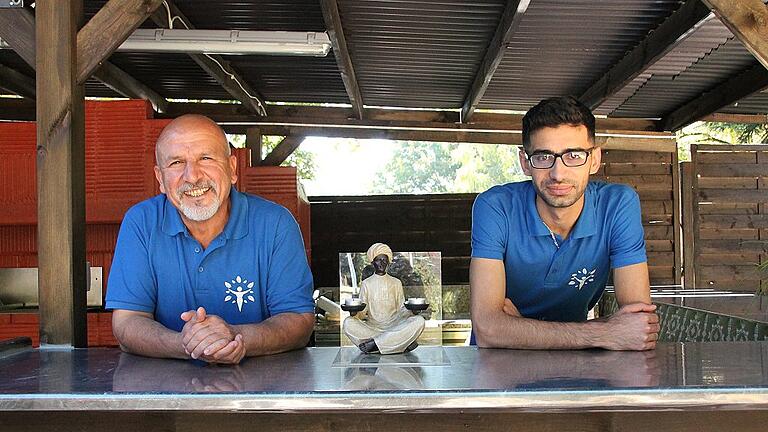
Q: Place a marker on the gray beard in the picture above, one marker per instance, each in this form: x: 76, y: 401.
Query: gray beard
x: 199, y: 214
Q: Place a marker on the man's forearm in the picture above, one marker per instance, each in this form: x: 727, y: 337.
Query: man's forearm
x: 499, y: 330
x: 283, y: 332
x: 145, y: 336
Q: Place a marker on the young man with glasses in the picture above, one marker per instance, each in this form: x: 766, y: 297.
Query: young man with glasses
x: 542, y: 249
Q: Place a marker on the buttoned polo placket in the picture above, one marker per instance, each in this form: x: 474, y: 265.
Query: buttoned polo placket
x: 236, y: 227
x: 584, y: 227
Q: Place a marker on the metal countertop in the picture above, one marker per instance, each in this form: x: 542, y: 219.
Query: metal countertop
x: 722, y: 375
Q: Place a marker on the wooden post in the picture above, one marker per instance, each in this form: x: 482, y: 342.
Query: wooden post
x: 254, y: 142
x: 689, y: 275
x: 690, y: 209
x: 676, y: 219
x: 60, y: 176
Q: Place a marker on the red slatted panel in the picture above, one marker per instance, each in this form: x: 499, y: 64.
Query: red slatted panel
x: 119, y: 159
x: 280, y: 185
x: 27, y: 324
x: 17, y: 173
x: 151, y: 130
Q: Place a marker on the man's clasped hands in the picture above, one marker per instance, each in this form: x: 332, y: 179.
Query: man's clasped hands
x: 210, y: 338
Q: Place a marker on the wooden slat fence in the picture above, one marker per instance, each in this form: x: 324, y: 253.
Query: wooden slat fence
x: 728, y: 216
x: 405, y: 222
x: 443, y: 222
x: 655, y: 176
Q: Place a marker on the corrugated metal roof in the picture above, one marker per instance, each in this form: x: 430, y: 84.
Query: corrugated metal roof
x: 171, y: 75
x: 426, y: 54
x: 662, y: 94
x: 293, y: 79
x: 757, y: 103
x: 266, y: 15
x: 700, y: 43
x: 562, y: 47
x: 12, y: 60
x: 417, y: 53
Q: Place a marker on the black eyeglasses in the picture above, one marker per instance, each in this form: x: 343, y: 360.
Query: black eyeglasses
x: 571, y: 158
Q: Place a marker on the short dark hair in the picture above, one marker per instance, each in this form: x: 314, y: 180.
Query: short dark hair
x: 556, y: 111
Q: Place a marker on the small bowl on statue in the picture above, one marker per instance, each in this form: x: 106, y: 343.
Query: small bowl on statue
x: 416, y: 304
x: 353, y: 304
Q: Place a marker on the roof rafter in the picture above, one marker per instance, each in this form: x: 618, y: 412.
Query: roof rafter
x: 493, y: 55
x: 17, y: 27
x: 285, y: 148
x: 341, y: 52
x: 16, y: 82
x: 737, y: 87
x: 215, y: 66
x: 106, y: 30
x: 669, y: 34
x: 746, y: 19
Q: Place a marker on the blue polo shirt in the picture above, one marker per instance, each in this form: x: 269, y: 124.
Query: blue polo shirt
x: 254, y: 269
x: 550, y: 283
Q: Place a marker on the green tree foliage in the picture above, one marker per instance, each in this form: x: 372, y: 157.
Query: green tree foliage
x: 421, y: 167
x: 418, y: 167
x: 484, y: 165
x: 303, y: 160
x: 720, y: 133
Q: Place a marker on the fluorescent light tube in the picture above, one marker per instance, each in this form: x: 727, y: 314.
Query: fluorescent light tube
x: 228, y: 42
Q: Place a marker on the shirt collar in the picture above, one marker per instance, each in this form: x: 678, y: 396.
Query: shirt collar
x: 236, y: 227
x: 585, y: 224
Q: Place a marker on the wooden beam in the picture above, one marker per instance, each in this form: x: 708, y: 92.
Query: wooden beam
x: 215, y: 66
x: 457, y: 134
x: 285, y: 148
x: 736, y: 118
x: 448, y: 135
x: 748, y: 21
x: 737, y: 87
x: 18, y: 29
x: 334, y: 115
x: 669, y: 34
x: 106, y: 30
x: 335, y: 32
x: 493, y: 55
x: 17, y: 109
x: 16, y: 82
x: 128, y: 86
x: 253, y: 141
x: 60, y: 176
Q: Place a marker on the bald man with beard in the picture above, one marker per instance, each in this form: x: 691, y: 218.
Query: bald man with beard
x: 202, y: 270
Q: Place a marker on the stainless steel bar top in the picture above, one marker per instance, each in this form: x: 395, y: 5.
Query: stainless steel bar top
x: 723, y: 375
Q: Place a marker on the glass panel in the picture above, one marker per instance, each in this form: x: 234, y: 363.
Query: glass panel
x: 420, y: 274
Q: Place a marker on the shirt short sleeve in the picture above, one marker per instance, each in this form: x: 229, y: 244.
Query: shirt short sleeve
x: 627, y: 239
x: 131, y: 285
x: 489, y: 232
x: 289, y: 284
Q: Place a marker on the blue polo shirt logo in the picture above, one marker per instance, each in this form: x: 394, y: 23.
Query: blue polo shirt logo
x: 239, y: 292
x: 582, y: 277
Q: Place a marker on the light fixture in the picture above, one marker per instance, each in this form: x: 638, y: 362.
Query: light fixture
x: 228, y: 42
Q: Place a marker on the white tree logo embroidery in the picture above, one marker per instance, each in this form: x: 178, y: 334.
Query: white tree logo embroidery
x: 581, y: 278
x: 239, y: 292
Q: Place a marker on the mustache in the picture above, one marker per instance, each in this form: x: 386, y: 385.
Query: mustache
x: 186, y: 187
x: 557, y: 183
